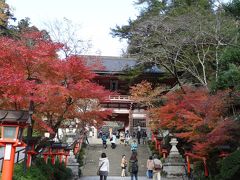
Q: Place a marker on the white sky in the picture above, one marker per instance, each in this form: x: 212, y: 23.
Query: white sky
x: 95, y: 18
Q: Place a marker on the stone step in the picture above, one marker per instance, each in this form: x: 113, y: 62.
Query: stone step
x: 94, y: 151
x: 121, y: 178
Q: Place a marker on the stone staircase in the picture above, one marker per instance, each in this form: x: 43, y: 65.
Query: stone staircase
x: 94, y: 151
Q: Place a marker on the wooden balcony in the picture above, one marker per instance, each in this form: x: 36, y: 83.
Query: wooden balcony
x: 119, y: 98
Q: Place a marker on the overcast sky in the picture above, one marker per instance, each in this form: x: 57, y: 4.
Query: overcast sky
x: 94, y: 17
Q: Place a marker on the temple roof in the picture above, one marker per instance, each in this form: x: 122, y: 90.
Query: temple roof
x: 120, y: 64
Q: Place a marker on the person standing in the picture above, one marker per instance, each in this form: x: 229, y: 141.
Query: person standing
x: 150, y: 167
x: 139, y: 128
x: 133, y: 166
x: 103, y: 166
x: 123, y: 166
x: 157, y: 168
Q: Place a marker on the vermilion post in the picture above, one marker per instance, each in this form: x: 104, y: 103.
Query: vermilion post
x: 159, y: 147
x: 45, y: 157
x: 188, y: 164
x: 66, y: 160
x: 76, y: 148
x: 8, y: 163
x: 156, y: 144
x: 153, y: 138
x: 29, y: 159
x: 60, y: 158
x: 53, y: 159
x: 29, y: 156
x: 205, y: 167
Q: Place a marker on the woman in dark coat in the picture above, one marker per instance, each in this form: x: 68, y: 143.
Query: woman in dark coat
x: 133, y: 166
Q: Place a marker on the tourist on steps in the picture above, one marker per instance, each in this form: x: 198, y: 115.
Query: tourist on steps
x: 133, y: 166
x: 113, y: 141
x: 144, y: 137
x: 150, y: 167
x: 157, y: 167
x: 103, y: 167
x: 123, y: 166
x: 139, y: 137
x: 134, y: 146
x: 104, y: 140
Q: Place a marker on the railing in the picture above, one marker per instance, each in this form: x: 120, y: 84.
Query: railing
x: 18, y: 157
x: 119, y: 97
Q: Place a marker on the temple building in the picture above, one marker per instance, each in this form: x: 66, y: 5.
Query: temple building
x: 127, y: 114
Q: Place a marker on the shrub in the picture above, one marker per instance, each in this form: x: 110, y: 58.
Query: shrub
x: 32, y: 173
x: 230, y: 167
x: 40, y: 170
x: 80, y: 157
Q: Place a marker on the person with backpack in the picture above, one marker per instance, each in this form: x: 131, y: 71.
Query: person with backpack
x: 157, y: 167
x: 133, y: 166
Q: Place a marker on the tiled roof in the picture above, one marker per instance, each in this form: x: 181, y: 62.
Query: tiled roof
x: 119, y: 64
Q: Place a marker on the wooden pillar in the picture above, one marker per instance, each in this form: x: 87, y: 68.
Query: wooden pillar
x: 8, y: 162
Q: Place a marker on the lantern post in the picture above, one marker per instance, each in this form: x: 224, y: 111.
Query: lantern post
x: 31, y: 142
x: 12, y: 124
x: 67, y: 153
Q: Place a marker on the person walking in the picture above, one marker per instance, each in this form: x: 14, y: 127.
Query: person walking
x: 134, y: 146
x: 127, y: 139
x: 113, y: 141
x: 150, y: 167
x: 144, y: 137
x: 138, y: 136
x: 103, y: 166
x: 122, y: 137
x: 157, y: 168
x: 133, y: 166
x: 104, y: 140
x: 123, y: 166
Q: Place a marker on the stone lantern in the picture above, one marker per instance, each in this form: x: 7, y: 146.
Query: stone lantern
x: 174, y: 163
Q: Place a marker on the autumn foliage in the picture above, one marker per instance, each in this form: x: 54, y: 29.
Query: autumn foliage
x: 32, y: 71
x: 198, y: 117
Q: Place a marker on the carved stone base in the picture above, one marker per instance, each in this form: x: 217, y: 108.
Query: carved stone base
x: 174, y: 163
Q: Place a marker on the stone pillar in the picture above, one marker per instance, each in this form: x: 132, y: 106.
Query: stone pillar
x: 174, y: 163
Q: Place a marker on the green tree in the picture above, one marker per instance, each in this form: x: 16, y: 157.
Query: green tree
x: 187, y: 37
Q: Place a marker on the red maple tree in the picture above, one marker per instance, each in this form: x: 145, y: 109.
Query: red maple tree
x: 32, y: 71
x: 198, y: 117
